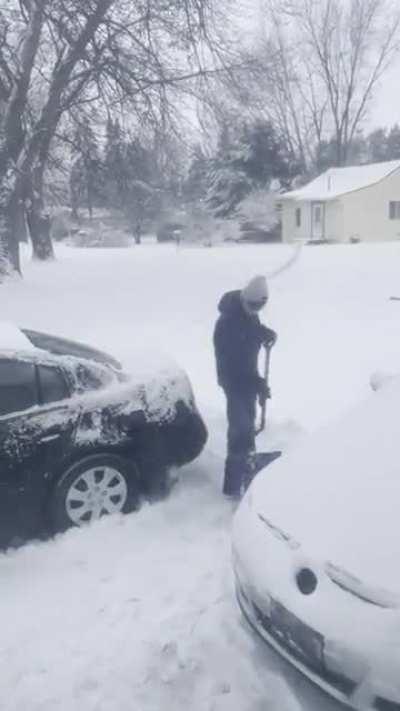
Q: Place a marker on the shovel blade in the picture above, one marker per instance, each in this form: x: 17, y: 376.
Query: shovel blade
x: 257, y: 462
x: 263, y: 459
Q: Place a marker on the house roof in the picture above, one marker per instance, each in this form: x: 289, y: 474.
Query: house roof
x: 339, y: 181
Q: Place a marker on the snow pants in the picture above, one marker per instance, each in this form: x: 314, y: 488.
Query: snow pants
x: 241, y: 412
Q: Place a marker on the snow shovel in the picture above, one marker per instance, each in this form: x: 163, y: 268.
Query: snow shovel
x: 260, y: 460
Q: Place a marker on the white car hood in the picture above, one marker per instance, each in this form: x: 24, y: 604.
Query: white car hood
x: 338, y: 493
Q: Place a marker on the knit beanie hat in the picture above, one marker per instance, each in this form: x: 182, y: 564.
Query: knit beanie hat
x: 256, y: 290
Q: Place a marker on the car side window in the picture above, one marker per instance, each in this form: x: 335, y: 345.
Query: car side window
x: 18, y: 386
x: 94, y: 377
x: 53, y: 387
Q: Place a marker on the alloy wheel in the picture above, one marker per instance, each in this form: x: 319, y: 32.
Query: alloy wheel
x: 96, y: 492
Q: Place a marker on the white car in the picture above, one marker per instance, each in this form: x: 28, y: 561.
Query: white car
x: 316, y: 554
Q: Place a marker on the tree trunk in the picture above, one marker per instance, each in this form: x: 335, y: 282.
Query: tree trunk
x: 39, y: 228
x: 74, y: 197
x: 137, y: 232
x: 9, y: 244
x: 90, y: 204
x: 89, y: 190
x: 4, y: 261
x: 39, y: 223
x: 21, y: 232
x: 11, y: 124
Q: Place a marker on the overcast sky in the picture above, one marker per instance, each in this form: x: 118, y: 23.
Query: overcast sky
x: 386, y: 106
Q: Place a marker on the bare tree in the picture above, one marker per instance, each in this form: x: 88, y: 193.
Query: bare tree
x: 16, y: 66
x: 120, y: 56
x: 33, y: 158
x: 329, y: 57
x: 351, y: 47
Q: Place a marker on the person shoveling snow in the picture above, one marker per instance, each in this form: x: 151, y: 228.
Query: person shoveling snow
x: 238, y: 338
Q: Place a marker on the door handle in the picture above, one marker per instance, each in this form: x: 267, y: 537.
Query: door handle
x: 49, y: 438
x: 51, y: 435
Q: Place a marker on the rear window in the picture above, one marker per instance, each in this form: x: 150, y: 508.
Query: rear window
x: 63, y: 346
x: 53, y: 387
x: 18, y: 387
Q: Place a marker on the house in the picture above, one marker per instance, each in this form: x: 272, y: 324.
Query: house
x: 344, y: 205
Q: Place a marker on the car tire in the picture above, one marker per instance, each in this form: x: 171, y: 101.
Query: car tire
x: 161, y: 484
x: 96, y: 486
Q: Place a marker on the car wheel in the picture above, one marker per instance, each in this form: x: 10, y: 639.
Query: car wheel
x: 96, y: 486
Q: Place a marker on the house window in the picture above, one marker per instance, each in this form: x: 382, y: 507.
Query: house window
x: 394, y: 210
x: 298, y: 217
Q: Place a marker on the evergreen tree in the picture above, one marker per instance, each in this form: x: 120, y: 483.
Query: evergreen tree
x: 140, y: 196
x: 228, y: 186
x: 393, y: 143
x: 378, y: 145
x: 325, y: 156
x: 263, y: 156
x: 195, y: 185
x: 86, y: 179
x: 358, y: 151
x: 114, y: 166
x: 327, y: 152
x: 247, y: 159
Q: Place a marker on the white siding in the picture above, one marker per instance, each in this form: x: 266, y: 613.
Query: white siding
x: 334, y: 220
x: 366, y: 212
x: 290, y: 231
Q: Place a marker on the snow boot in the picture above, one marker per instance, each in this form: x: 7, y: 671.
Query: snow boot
x: 235, y: 472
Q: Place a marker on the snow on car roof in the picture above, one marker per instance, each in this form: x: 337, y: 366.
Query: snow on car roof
x: 339, y: 181
x: 12, y: 338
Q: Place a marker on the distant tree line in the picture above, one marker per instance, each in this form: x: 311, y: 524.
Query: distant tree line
x: 138, y: 177
x: 255, y: 157
x: 379, y: 145
x: 131, y: 175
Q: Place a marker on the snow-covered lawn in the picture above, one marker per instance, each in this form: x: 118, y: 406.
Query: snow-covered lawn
x: 137, y: 613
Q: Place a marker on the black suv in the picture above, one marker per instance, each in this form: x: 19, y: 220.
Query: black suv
x: 79, y: 438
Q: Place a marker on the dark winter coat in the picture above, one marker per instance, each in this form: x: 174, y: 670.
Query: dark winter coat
x: 238, y: 337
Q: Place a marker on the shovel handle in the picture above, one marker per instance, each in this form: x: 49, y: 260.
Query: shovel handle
x: 263, y: 419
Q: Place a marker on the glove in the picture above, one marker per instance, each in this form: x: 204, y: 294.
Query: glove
x: 268, y: 336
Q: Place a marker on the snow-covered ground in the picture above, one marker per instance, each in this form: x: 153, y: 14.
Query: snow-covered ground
x: 138, y: 612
